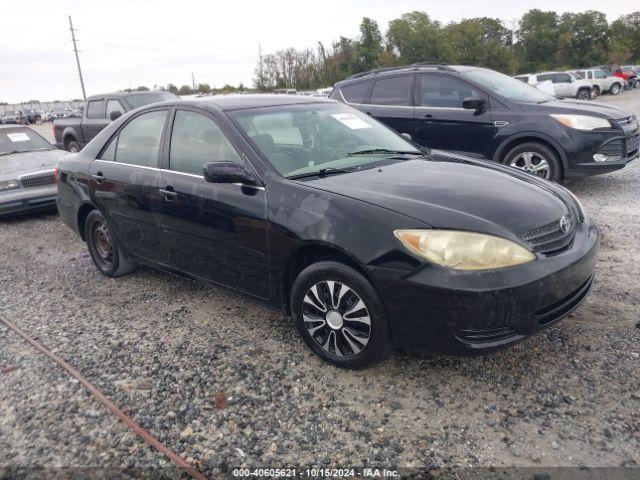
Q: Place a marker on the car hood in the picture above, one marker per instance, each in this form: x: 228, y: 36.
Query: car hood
x: 455, y: 193
x: 584, y: 108
x: 11, y: 166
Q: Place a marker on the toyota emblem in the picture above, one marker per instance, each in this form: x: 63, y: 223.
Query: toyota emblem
x: 565, y: 224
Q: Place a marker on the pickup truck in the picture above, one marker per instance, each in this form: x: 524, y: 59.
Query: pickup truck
x: 74, y: 133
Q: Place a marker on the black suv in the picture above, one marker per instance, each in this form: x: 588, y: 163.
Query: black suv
x: 480, y: 112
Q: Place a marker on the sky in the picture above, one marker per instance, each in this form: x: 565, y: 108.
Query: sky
x: 127, y: 43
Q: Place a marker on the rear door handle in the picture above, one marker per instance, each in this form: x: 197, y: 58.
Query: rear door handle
x: 98, y: 177
x: 168, y: 193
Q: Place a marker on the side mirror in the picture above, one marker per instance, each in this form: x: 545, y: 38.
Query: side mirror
x: 406, y: 135
x: 115, y: 114
x: 228, y: 172
x: 474, y: 103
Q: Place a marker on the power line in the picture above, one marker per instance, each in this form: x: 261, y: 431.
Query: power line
x: 75, y: 49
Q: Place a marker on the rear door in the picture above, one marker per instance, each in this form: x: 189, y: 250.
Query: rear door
x: 440, y: 120
x: 94, y: 119
x: 391, y: 102
x: 216, y: 231
x: 124, y: 184
x: 563, y: 85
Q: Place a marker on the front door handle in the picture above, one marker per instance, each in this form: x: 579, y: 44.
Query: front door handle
x: 428, y: 115
x: 168, y: 193
x: 98, y: 177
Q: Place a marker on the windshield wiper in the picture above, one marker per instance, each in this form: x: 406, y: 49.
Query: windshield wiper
x: 319, y: 173
x: 385, y: 150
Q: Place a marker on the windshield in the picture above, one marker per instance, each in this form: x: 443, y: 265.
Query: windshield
x: 301, y: 139
x: 139, y: 99
x: 507, y: 87
x: 21, y: 140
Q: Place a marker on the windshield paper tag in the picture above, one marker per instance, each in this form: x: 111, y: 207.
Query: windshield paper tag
x: 18, y: 137
x: 351, y: 121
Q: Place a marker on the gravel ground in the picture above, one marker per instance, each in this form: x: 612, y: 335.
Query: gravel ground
x: 227, y: 383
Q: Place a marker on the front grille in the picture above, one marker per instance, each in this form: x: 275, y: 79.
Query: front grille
x: 36, y: 180
x: 486, y: 335
x: 550, y: 238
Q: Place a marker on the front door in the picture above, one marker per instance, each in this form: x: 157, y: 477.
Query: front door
x: 391, y: 102
x: 215, y: 231
x: 124, y: 185
x: 441, y: 122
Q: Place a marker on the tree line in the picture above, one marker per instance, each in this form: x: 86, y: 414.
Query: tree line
x: 540, y: 40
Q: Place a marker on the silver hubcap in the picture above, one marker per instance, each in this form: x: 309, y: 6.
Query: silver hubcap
x: 532, y: 162
x: 336, y: 318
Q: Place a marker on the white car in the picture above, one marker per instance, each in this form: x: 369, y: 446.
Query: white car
x: 601, y: 81
x: 564, y: 85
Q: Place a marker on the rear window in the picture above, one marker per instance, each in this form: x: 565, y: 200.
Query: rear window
x: 356, y: 92
x: 392, y: 91
x: 139, y: 99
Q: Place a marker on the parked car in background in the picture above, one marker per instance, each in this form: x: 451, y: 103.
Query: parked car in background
x: 27, y: 163
x: 74, y: 133
x: 14, y: 117
x: 632, y: 71
x: 481, y: 112
x: 319, y: 211
x: 601, y: 81
x: 564, y: 84
x: 30, y: 116
x: 60, y: 112
x: 629, y: 77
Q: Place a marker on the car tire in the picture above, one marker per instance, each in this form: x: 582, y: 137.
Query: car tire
x: 595, y: 91
x: 326, y: 321
x: 529, y: 155
x: 615, y: 89
x: 73, y: 146
x: 584, y: 94
x: 104, y: 249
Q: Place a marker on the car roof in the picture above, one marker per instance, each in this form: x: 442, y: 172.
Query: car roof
x: 415, y: 67
x: 258, y: 100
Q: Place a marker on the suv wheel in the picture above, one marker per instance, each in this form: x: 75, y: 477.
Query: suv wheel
x: 615, y: 89
x: 103, y: 247
x: 584, y: 94
x: 73, y: 146
x: 595, y: 91
x: 535, y: 158
x: 339, y: 315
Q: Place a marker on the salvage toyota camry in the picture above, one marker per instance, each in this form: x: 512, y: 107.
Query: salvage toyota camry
x: 314, y: 208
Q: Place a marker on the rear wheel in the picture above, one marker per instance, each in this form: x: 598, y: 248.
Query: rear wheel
x: 535, y: 158
x: 103, y: 247
x: 339, y: 315
x: 73, y: 146
x: 615, y: 89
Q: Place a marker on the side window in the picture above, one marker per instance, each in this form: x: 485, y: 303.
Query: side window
x: 139, y: 140
x: 600, y: 74
x: 95, y: 109
x: 110, y: 152
x: 545, y: 77
x: 392, y: 91
x: 196, y: 140
x: 562, y: 78
x: 356, y: 92
x: 114, y: 106
x: 443, y: 92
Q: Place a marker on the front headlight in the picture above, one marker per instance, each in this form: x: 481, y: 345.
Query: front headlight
x: 464, y: 250
x: 8, y: 184
x: 581, y: 122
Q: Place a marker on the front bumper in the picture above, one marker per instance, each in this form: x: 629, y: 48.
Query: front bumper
x: 469, y: 313
x: 28, y: 200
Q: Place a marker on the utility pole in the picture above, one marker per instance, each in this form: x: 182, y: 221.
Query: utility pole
x: 260, y: 71
x: 193, y: 82
x: 75, y: 49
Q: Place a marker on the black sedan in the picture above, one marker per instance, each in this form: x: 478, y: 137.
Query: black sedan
x: 318, y: 210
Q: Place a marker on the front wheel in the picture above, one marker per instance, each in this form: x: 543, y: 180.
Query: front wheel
x: 615, y: 89
x: 595, y: 91
x: 104, y: 249
x: 584, y: 94
x: 535, y: 158
x: 339, y: 315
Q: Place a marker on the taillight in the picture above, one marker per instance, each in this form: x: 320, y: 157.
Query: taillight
x: 56, y: 174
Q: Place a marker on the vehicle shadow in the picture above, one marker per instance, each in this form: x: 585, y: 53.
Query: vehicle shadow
x: 23, y: 217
